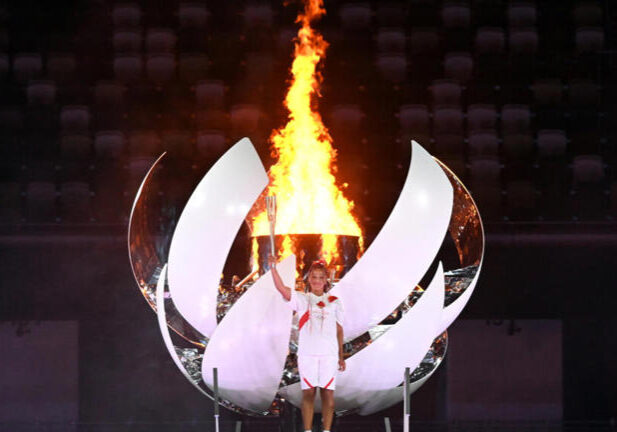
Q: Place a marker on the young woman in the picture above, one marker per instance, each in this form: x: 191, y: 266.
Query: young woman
x: 320, y: 345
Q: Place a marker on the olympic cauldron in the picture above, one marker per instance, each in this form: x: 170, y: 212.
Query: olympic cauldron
x: 398, y: 298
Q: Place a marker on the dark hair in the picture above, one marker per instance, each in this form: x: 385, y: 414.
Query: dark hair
x: 317, y: 265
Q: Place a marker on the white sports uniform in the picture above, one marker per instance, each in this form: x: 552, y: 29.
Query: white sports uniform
x: 318, y: 343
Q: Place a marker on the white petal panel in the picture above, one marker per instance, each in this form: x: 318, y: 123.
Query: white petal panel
x: 402, y: 251
x: 206, y: 230
x: 250, y: 344
x: 381, y: 365
x: 160, y: 312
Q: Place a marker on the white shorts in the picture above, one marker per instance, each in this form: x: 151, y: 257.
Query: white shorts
x: 318, y: 371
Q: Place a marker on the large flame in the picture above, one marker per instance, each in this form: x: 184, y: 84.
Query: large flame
x: 309, y: 200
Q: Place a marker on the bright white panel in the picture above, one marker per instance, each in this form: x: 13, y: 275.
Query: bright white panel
x: 403, y: 250
x: 206, y: 230
x: 380, y: 366
x: 250, y: 344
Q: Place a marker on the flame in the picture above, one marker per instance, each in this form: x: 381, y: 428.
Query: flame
x: 309, y: 200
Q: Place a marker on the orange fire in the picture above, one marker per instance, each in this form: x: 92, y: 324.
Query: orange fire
x: 309, y: 200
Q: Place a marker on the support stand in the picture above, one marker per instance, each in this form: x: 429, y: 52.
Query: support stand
x: 386, y: 422
x: 406, y: 401
x: 289, y: 418
x: 215, y: 375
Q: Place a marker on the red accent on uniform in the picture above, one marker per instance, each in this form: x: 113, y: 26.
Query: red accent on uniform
x: 329, y: 382
x: 321, y: 304
x: 332, y: 298
x: 308, y: 383
x: 303, y: 319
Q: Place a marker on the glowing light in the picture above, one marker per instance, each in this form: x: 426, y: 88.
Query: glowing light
x: 309, y: 199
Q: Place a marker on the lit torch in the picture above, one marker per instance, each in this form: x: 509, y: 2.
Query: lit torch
x: 316, y: 219
x: 271, y: 209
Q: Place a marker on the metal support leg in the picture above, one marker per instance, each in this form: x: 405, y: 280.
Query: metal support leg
x: 215, y: 375
x: 386, y: 421
x: 406, y: 401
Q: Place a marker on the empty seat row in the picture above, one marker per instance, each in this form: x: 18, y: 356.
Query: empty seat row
x: 24, y: 67
x: 192, y: 15
x: 46, y: 204
x: 488, y: 40
x: 114, y: 144
x: 211, y: 92
x: 208, y: 93
x: 355, y: 16
x: 416, y: 118
x: 580, y: 91
x: 547, y: 144
x: 157, y: 41
x: 160, y: 68
x: 511, y: 117
x: 585, y: 169
x: 455, y: 15
x: 59, y: 67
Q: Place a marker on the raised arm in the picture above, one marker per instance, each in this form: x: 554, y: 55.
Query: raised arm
x: 278, y: 282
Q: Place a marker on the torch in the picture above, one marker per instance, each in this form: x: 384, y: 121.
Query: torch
x: 271, y: 209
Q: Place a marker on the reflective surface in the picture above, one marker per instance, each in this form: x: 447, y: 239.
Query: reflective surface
x: 153, y: 220
x: 151, y: 225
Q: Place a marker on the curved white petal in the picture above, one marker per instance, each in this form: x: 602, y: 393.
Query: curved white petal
x: 381, y: 365
x: 250, y: 344
x: 206, y: 230
x: 402, y: 251
x: 162, y: 321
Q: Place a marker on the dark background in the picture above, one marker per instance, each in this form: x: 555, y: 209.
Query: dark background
x: 516, y: 99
